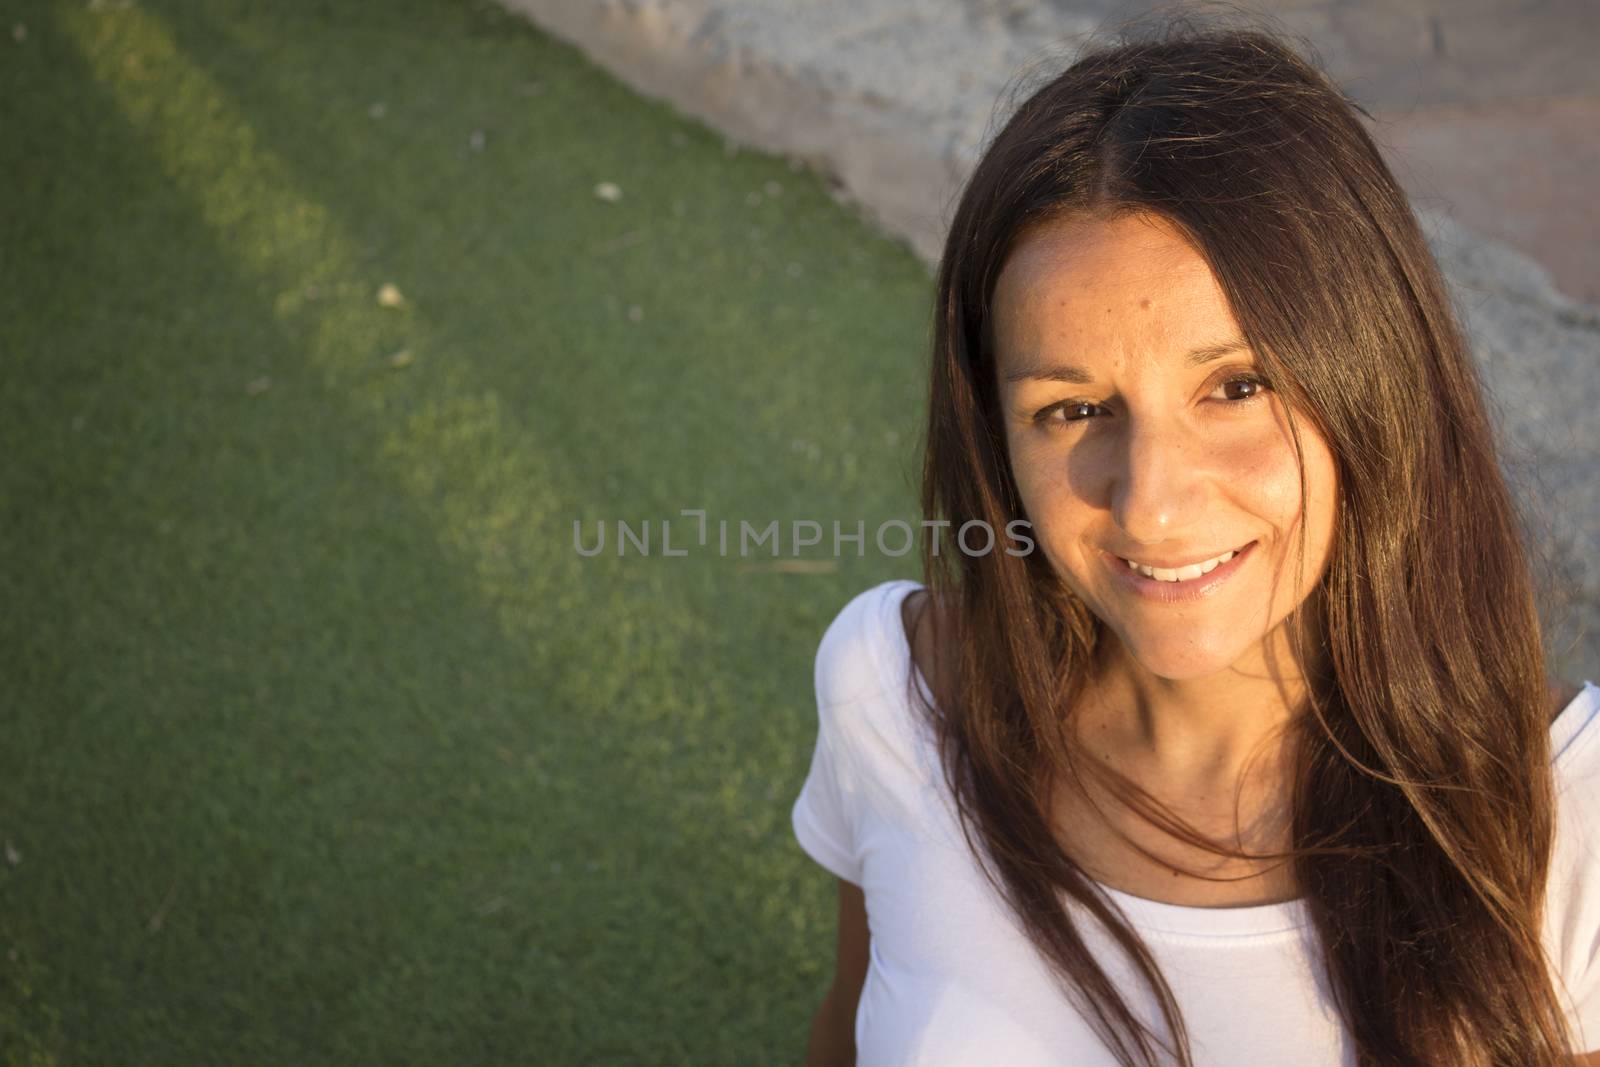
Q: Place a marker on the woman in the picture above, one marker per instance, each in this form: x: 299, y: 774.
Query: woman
x: 1252, y: 760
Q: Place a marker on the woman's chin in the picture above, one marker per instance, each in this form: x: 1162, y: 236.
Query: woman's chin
x: 1182, y: 658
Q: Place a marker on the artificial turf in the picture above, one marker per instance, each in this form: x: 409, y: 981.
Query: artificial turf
x: 322, y: 744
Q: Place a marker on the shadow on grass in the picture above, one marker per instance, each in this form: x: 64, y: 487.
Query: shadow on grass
x: 326, y: 745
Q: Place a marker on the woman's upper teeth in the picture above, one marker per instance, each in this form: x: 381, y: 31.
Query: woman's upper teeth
x: 1180, y: 574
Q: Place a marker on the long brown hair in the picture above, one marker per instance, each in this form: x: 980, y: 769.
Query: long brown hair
x: 1422, y: 817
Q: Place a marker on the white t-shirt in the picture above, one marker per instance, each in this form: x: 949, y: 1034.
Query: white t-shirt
x: 952, y: 978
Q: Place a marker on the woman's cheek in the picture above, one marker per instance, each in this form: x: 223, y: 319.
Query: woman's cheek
x: 1035, y: 499
x: 1265, y: 475
x: 1029, y: 471
x: 1053, y: 513
x: 1263, y: 464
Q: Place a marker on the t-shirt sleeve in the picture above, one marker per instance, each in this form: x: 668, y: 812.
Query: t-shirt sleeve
x: 1574, y: 890
x: 823, y: 822
x: 827, y: 814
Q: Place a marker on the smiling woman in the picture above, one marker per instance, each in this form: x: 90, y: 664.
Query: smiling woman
x: 1255, y: 759
x: 1163, y: 483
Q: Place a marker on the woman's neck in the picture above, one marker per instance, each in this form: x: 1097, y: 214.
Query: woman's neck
x: 1191, y: 737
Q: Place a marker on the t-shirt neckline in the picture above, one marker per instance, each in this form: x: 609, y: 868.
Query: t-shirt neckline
x: 1248, y: 921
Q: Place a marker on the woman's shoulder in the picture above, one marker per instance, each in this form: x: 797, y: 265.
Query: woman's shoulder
x: 1574, y: 710
x: 1572, y: 915
x: 862, y: 680
x: 856, y: 656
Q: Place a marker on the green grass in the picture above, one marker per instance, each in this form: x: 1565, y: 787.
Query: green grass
x: 322, y: 745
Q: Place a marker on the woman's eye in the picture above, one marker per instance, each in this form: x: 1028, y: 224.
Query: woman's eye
x: 1068, y: 411
x: 1244, y: 387
x: 1239, y: 389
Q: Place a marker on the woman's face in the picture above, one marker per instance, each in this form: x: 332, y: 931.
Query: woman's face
x: 1136, y: 432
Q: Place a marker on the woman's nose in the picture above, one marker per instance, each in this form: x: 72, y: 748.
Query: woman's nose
x: 1157, y: 481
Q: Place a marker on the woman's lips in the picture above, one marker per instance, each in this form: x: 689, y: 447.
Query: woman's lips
x: 1164, y: 592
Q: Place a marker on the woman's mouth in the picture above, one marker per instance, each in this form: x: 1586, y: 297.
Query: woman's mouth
x: 1187, y: 572
x: 1174, y: 582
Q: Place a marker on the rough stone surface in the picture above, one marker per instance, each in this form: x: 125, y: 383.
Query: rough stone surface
x: 1521, y: 172
x: 1539, y: 354
x: 1488, y: 120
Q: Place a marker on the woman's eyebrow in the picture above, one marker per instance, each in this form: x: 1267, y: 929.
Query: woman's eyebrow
x: 1206, y: 353
x: 1075, y: 375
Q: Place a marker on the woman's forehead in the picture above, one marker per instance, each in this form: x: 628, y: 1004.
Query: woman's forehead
x: 1091, y: 286
x: 1075, y: 255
